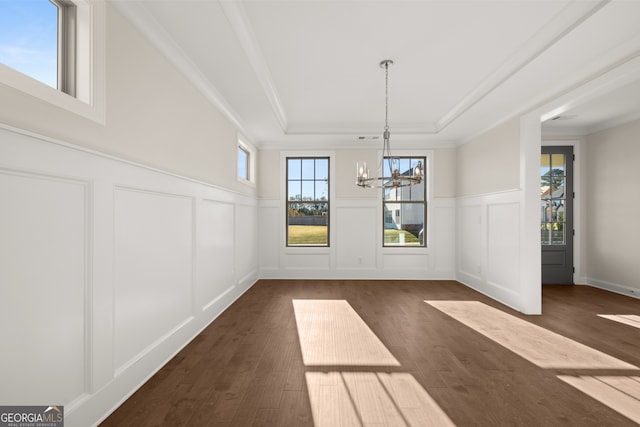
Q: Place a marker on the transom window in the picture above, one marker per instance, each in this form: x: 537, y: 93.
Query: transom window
x: 243, y: 163
x: 404, y: 208
x: 307, y: 201
x: 37, y: 38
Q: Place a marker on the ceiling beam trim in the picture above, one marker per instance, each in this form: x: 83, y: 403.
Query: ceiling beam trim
x: 562, y: 24
x: 237, y: 17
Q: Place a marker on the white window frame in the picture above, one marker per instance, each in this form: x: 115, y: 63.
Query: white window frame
x: 81, y: 73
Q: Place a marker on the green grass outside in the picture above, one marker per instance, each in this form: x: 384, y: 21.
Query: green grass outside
x: 392, y: 237
x: 312, y: 235
x: 308, y: 235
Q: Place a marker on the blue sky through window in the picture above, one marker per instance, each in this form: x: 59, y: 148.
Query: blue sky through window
x: 29, y: 38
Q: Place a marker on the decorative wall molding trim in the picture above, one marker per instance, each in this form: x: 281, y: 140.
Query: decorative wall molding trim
x: 237, y: 17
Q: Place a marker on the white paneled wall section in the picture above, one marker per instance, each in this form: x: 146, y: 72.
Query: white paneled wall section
x: 107, y: 269
x: 355, y: 250
x: 489, y: 245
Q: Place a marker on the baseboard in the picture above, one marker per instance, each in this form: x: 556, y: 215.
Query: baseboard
x: 613, y: 287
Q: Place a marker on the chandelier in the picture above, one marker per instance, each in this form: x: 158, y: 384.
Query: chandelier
x: 397, y: 178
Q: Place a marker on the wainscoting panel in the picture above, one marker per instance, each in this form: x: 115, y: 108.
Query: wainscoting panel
x: 503, y: 220
x: 489, y: 246
x: 270, y: 232
x: 106, y: 268
x: 442, y: 237
x: 216, y: 254
x: 404, y: 261
x: 247, y: 249
x: 470, y: 240
x: 44, y: 281
x: 153, y: 269
x: 356, y: 238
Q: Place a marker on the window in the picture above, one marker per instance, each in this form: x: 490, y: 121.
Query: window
x: 404, y: 208
x: 243, y: 163
x: 307, y: 201
x: 38, y: 39
x: 54, y: 51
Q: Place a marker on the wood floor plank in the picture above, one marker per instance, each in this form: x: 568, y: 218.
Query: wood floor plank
x: 246, y: 368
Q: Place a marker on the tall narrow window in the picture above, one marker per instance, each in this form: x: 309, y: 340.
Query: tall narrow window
x: 307, y: 201
x: 37, y: 38
x: 243, y: 163
x: 404, y: 208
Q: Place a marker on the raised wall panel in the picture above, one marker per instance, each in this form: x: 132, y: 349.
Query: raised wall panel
x: 269, y: 237
x: 43, y: 288
x: 153, y: 269
x: 503, y: 222
x: 216, y: 251
x: 443, y: 236
x: 246, y: 233
x: 356, y: 238
x: 305, y: 262
x: 470, y: 240
x: 406, y: 262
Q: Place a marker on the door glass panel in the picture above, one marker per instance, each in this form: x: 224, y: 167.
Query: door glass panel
x: 552, y: 199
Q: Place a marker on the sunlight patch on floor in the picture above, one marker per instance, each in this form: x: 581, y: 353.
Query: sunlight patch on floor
x: 370, y: 399
x: 627, y: 319
x: 540, y: 346
x: 331, y: 333
x: 622, y: 394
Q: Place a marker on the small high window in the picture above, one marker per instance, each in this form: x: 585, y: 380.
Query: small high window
x: 37, y: 38
x: 243, y: 163
x: 307, y: 201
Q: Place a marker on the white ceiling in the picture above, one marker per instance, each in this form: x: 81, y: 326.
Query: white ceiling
x: 299, y: 73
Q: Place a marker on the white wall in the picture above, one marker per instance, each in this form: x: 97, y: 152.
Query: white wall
x: 107, y: 269
x: 612, y: 199
x: 356, y: 224
x: 489, y: 216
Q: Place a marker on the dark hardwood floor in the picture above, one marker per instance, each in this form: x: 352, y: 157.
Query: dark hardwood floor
x: 246, y: 368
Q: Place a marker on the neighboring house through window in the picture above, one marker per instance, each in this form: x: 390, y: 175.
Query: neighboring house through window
x: 404, y: 208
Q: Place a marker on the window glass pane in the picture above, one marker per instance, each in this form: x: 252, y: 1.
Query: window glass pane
x: 243, y: 162
x: 545, y: 163
x: 322, y: 190
x: 557, y: 164
x: 404, y: 224
x: 322, y: 169
x: 405, y: 168
x: 29, y: 38
x: 293, y: 168
x: 294, y: 191
x: 544, y: 233
x: 308, y: 168
x: 557, y: 233
x: 308, y: 224
x: 308, y: 188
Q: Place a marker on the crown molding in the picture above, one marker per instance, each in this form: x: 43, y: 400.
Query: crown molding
x: 235, y: 13
x: 142, y: 20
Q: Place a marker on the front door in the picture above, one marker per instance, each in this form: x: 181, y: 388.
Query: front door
x: 556, y: 214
